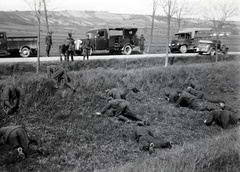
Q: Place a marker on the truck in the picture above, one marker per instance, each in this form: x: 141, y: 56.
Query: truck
x: 23, y: 46
x: 115, y: 40
x: 186, y: 40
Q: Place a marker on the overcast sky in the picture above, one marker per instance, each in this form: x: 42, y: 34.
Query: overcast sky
x: 114, y: 6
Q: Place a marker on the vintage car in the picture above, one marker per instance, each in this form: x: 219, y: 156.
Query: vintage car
x: 211, y: 47
x: 114, y: 40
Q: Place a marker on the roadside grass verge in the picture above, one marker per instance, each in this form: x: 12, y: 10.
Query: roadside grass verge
x: 220, y: 153
x: 79, y: 141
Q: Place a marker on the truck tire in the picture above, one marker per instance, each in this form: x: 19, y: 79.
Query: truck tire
x: 127, y: 50
x: 183, y: 49
x: 25, y: 52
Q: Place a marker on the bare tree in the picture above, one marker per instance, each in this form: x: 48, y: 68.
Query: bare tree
x: 169, y: 8
x: 37, y: 8
x: 218, y: 12
x: 182, y: 9
x: 46, y: 15
x: 152, y: 27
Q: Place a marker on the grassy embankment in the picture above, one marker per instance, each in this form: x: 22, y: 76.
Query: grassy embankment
x: 79, y: 141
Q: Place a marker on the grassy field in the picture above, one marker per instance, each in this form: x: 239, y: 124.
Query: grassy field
x: 77, y: 140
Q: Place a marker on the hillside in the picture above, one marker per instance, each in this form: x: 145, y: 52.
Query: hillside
x: 64, y: 123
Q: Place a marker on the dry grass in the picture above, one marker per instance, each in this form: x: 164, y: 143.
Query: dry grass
x: 79, y: 141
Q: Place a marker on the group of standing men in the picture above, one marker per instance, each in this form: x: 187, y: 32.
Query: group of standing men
x: 67, y: 49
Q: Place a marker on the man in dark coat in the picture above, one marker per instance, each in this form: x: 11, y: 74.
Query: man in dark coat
x: 17, y: 138
x: 147, y: 140
x: 62, y: 51
x: 86, y: 47
x: 71, y: 46
x: 59, y: 75
x: 121, y: 109
x: 118, y: 93
x: 48, y: 43
x: 200, y: 94
x: 222, y: 118
x: 141, y: 44
x: 195, y: 103
x: 10, y: 99
x: 172, y: 97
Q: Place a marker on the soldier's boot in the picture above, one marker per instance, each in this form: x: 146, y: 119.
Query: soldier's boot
x: 20, y: 153
x: 151, y: 148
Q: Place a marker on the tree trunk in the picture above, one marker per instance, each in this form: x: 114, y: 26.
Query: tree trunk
x: 217, y: 47
x: 151, y: 34
x: 168, y: 36
x: 38, y: 51
x: 46, y: 16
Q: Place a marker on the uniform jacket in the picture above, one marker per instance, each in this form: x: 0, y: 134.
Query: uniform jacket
x: 9, y: 93
x: 87, y: 43
x: 141, y: 131
x: 185, y: 96
x: 48, y: 40
x: 222, y: 118
x: 117, y: 93
x: 113, y: 104
x: 6, y: 131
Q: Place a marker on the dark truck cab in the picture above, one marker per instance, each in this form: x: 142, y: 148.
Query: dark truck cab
x: 115, y: 40
x: 24, y: 46
x: 186, y: 40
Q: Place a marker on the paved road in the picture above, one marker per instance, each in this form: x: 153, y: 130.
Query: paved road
x: 34, y: 59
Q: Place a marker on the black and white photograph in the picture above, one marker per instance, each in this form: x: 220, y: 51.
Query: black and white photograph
x: 119, y: 86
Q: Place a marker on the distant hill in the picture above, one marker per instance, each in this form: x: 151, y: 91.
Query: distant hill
x: 60, y: 21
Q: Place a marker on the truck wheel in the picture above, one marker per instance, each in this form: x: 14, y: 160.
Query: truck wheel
x: 212, y: 52
x: 200, y: 52
x: 25, y: 52
x: 183, y: 49
x: 127, y: 50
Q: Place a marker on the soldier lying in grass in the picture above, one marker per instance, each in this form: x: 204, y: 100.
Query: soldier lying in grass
x: 222, y: 118
x: 17, y: 138
x: 191, y: 101
x: 117, y: 93
x: 121, y: 109
x: 10, y: 99
x: 200, y: 94
x: 147, y: 140
x: 59, y: 75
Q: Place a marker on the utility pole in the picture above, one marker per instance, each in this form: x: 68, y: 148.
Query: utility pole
x: 38, y: 52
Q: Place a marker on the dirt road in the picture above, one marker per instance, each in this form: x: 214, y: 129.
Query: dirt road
x: 94, y: 57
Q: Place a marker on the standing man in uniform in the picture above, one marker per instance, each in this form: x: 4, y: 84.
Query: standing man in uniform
x: 62, y: 51
x: 59, y: 75
x: 48, y: 43
x: 147, y: 140
x: 71, y: 47
x: 86, y: 47
x: 10, y: 99
x: 141, y: 44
